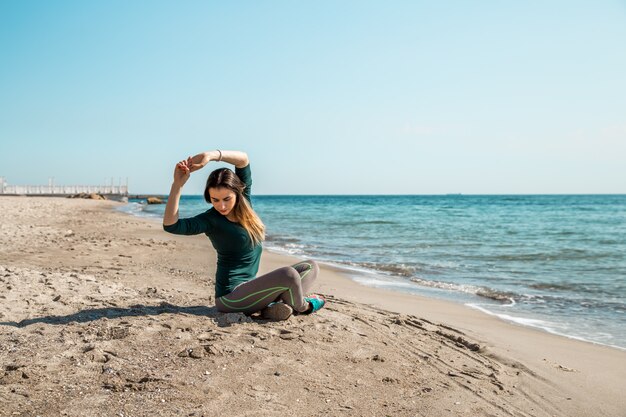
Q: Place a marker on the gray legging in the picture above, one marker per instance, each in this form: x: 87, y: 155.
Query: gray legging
x: 289, y: 284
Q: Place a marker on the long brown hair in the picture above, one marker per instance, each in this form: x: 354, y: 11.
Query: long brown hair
x: 243, y: 212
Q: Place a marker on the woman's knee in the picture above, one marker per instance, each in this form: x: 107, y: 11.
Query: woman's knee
x: 289, y: 275
x: 311, y: 268
x: 292, y: 273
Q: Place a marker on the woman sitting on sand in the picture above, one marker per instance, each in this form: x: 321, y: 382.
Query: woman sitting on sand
x: 236, y: 233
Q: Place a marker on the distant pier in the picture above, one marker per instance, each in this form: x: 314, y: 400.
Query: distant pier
x: 111, y: 192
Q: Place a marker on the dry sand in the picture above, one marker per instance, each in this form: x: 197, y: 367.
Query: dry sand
x: 104, y: 314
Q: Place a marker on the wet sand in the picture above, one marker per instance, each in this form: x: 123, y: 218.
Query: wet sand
x: 105, y: 314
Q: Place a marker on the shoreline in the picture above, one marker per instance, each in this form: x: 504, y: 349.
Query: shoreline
x: 560, y: 324
x: 516, y: 321
x: 346, y: 272
x: 119, y: 316
x: 275, y: 259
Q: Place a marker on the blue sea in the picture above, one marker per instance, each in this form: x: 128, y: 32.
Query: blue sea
x: 554, y: 262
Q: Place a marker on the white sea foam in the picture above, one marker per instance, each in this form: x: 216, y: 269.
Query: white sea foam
x: 542, y: 324
x: 374, y: 282
x: 289, y: 249
x: 547, y: 326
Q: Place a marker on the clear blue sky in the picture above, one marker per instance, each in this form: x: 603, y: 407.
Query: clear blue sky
x: 327, y: 97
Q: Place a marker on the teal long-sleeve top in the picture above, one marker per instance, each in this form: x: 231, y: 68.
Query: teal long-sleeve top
x: 237, y: 258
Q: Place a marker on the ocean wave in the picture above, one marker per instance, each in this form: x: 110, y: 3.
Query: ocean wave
x: 609, y: 242
x: 357, y: 222
x: 545, y: 286
x: 576, y: 290
x: 558, y: 303
x: 134, y: 208
x: 562, y: 255
x: 502, y: 296
x: 485, y: 292
x: 400, y: 284
x: 289, y: 248
x: 280, y: 239
x: 376, y: 222
x: 403, y: 270
x: 394, y: 269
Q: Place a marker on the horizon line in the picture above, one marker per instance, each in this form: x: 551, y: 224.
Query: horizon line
x: 134, y: 195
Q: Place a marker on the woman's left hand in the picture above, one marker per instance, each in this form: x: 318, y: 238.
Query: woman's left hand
x: 198, y: 161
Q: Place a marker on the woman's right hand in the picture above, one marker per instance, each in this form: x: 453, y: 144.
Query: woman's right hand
x: 182, y: 172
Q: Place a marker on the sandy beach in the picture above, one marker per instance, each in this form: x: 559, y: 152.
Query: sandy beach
x: 105, y: 314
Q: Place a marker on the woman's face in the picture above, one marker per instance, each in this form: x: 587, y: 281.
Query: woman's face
x: 223, y: 200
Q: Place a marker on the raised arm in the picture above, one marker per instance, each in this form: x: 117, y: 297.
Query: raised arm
x: 181, y: 175
x: 191, y: 164
x: 237, y: 158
